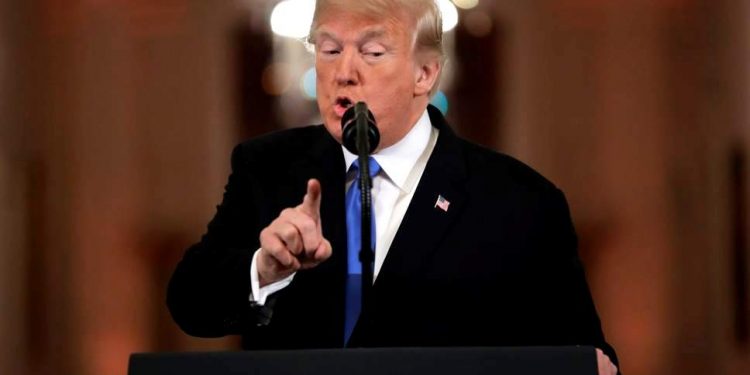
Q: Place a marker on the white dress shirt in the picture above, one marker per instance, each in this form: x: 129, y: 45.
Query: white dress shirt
x: 401, y: 167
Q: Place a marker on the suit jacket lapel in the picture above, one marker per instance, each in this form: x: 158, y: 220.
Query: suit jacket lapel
x: 424, y: 223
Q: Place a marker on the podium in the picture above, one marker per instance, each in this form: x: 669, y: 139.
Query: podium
x: 569, y: 360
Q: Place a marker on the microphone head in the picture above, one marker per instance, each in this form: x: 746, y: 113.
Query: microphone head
x: 349, y: 127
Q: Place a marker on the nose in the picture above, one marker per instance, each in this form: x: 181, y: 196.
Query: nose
x: 347, y: 71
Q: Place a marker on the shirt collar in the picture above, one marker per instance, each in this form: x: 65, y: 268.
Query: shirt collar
x: 397, y: 161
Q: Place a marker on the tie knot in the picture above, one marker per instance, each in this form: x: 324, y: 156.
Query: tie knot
x: 374, y: 167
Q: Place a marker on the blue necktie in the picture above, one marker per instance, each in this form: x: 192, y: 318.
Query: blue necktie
x: 353, y: 244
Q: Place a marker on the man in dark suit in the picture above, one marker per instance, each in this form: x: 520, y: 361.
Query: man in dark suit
x: 471, y: 247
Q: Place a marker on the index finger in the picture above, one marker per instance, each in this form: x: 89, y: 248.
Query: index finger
x: 311, y: 203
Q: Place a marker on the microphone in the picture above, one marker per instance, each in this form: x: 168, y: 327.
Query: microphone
x: 359, y: 120
x: 361, y: 137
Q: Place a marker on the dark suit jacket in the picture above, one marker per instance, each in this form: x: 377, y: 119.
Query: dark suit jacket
x: 499, y: 268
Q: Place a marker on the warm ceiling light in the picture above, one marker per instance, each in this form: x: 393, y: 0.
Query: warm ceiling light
x: 466, y: 4
x: 292, y: 18
x: 450, y: 14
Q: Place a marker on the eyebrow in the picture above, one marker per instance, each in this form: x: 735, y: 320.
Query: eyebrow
x: 318, y: 35
x: 370, y: 34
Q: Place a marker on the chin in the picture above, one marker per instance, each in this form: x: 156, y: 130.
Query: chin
x: 334, y: 128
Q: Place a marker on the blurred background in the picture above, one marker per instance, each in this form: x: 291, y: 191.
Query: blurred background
x: 117, y: 118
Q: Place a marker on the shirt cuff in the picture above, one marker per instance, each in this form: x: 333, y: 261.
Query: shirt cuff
x: 259, y: 295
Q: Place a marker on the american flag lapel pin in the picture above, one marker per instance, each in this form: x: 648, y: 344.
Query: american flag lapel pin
x: 442, y: 203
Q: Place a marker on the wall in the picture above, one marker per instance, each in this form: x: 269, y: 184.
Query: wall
x: 117, y: 119
x: 13, y: 190
x: 632, y: 108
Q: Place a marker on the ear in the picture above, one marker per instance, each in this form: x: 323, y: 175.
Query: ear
x: 426, y: 75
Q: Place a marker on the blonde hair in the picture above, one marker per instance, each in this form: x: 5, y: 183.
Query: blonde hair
x: 428, y: 38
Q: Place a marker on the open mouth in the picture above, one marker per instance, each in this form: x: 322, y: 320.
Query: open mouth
x: 342, y: 104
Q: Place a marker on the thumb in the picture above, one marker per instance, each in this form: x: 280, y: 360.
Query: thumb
x: 311, y: 203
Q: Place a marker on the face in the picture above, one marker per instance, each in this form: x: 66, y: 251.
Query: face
x: 359, y: 58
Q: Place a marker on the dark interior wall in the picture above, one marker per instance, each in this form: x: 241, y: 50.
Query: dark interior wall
x: 13, y: 191
x: 115, y: 147
x: 634, y: 109
x: 117, y: 119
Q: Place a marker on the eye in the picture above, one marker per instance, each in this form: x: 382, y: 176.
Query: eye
x: 328, y: 48
x: 373, y: 50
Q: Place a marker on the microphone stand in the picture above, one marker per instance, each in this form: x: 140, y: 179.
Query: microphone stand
x: 366, y: 252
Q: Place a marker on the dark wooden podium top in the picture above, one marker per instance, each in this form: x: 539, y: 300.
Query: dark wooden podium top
x: 569, y: 360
